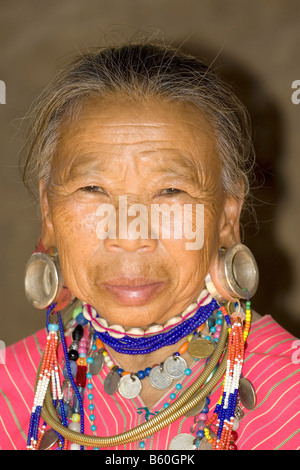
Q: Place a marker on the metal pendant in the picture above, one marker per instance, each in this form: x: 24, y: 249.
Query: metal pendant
x: 247, y: 394
x: 196, y: 409
x: 204, y: 444
x: 182, y: 441
x: 238, y: 412
x: 158, y: 378
x: 98, y: 362
x: 200, y: 348
x: 48, y: 440
x: 174, y: 367
x: 111, y: 382
x: 130, y: 386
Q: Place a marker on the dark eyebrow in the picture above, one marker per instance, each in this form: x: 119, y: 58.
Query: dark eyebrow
x: 181, y: 175
x: 185, y: 169
x: 180, y: 167
x: 82, y: 167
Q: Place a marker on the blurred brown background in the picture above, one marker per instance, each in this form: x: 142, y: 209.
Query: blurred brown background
x: 253, y: 44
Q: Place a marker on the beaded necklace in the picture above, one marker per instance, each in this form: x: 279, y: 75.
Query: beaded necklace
x: 82, y: 375
x: 224, y: 413
x: 49, y: 369
x: 149, y: 343
x: 81, y: 379
x: 199, y: 418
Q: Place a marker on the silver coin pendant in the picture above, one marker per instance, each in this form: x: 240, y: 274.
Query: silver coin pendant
x: 174, y: 367
x: 129, y: 386
x: 182, y: 441
x: 247, y: 393
x: 204, y: 444
x: 158, y: 378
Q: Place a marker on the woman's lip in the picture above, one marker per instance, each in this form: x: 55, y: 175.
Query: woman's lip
x: 133, y: 295
x: 130, y: 281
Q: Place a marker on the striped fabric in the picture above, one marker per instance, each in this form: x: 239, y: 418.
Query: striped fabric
x: 271, y: 364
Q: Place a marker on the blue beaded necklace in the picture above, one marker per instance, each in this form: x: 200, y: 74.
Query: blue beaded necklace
x: 148, y: 344
x: 199, y: 420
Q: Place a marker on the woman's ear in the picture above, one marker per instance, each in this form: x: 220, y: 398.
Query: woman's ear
x: 47, y: 236
x: 229, y: 226
x: 229, y: 234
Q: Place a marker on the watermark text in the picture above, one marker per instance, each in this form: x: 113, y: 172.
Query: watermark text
x: 166, y: 221
x: 2, y: 352
x: 296, y: 354
x: 296, y: 94
x: 2, y: 92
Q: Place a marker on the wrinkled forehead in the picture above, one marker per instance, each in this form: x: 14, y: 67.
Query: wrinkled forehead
x: 166, y: 135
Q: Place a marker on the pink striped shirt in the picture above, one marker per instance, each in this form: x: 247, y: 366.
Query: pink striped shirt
x: 271, y: 364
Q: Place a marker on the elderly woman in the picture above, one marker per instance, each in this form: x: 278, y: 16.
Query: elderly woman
x: 141, y: 156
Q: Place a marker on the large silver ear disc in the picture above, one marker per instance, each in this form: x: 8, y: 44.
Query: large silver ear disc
x: 43, y: 280
x: 238, y: 273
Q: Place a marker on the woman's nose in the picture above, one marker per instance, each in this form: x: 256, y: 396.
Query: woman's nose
x: 130, y: 230
x: 130, y: 245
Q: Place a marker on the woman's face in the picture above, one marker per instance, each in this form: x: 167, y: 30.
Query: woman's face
x: 119, y: 152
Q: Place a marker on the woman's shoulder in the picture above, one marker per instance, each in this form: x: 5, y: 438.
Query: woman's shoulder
x: 272, y: 359
x: 17, y: 380
x: 268, y: 337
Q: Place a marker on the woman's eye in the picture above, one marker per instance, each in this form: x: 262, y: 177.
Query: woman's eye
x: 92, y: 189
x: 171, y: 191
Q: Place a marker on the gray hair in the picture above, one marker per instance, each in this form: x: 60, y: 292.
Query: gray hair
x: 141, y: 70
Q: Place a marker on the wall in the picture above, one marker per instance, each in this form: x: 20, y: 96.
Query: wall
x: 254, y: 44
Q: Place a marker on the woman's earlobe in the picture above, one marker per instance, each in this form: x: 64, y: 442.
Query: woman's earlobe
x: 233, y: 274
x: 44, y: 282
x: 213, y: 283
